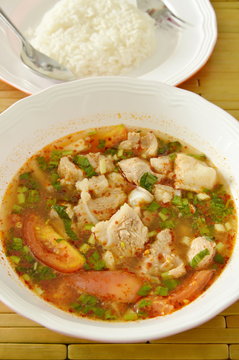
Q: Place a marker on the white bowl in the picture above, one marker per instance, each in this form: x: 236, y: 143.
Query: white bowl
x: 38, y: 120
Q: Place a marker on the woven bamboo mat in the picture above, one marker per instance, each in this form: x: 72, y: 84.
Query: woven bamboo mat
x: 21, y: 338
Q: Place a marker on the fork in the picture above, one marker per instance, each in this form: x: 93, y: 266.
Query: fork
x: 158, y: 10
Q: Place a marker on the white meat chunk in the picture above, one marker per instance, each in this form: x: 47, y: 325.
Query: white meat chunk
x: 132, y: 142
x: 192, y: 174
x: 161, y: 257
x: 109, y: 260
x: 124, y: 234
x: 134, y: 168
x: 69, y: 172
x: 163, y: 193
x: 102, y: 164
x: 105, y: 206
x: 199, y: 244
x: 149, y: 144
x: 139, y: 196
x: 116, y: 180
x: 98, y: 185
x: 162, y: 164
x: 83, y: 214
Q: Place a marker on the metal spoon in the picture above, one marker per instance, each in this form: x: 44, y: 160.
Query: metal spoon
x: 37, y: 61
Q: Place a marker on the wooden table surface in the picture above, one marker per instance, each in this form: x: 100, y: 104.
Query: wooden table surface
x: 218, y: 339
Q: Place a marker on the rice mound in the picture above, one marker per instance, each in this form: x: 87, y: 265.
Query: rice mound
x: 96, y: 37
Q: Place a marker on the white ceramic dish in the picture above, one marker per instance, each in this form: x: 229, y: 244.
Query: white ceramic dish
x: 38, y: 120
x: 179, y: 55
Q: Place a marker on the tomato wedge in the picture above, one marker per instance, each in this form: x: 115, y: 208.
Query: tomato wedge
x: 42, y: 240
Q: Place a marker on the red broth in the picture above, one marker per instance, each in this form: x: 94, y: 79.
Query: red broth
x: 118, y: 223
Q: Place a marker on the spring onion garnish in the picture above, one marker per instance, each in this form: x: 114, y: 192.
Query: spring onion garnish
x: 148, y: 180
x: 144, y: 290
x: 61, y: 211
x: 85, y: 165
x: 218, y: 258
x: 153, y: 206
x: 199, y: 257
x: 160, y: 290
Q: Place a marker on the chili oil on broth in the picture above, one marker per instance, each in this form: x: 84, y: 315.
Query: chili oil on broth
x: 66, y: 262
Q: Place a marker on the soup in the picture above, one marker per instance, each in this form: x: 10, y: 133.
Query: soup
x: 118, y: 223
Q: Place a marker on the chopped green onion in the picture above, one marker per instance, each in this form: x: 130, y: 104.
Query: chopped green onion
x: 92, y: 132
x: 17, y: 243
x: 171, y: 283
x: 16, y: 209
x: 85, y: 165
x: 144, y: 290
x: 220, y: 247
x: 198, y: 258
x: 163, y: 216
x: 26, y: 277
x: 101, y: 144
x: 153, y: 206
x: 88, y: 226
x: 84, y: 248
x: 160, y: 290
x: 15, y: 259
x: 198, y: 156
x: 152, y: 233
x: 144, y: 303
x: 91, y: 239
x: 218, y: 258
x: 33, y: 196
x: 66, y: 220
x: 165, y: 276
x: 148, y: 180
x: 42, y: 163
x: 21, y: 198
x: 120, y: 152
x: 130, y: 315
x: 22, y: 189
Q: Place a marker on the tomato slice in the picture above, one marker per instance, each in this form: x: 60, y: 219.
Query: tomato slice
x: 42, y: 240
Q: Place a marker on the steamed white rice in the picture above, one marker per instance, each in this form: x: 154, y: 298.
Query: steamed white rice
x: 96, y: 37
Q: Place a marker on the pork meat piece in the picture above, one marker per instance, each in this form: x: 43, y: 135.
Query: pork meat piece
x: 162, y: 164
x: 69, y: 172
x: 199, y: 244
x: 124, y: 234
x: 149, y: 144
x: 161, y: 257
x: 192, y: 174
x: 132, y: 142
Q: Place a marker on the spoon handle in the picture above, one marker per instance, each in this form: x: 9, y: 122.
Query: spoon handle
x: 7, y: 21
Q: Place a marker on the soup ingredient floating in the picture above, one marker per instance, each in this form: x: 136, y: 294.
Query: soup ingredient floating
x: 118, y: 223
x: 103, y: 37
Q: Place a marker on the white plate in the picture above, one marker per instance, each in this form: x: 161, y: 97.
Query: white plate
x: 82, y: 104
x: 179, y: 55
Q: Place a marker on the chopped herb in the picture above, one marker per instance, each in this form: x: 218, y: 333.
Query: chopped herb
x: 42, y: 163
x: 15, y: 259
x: 55, y: 181
x: 88, y: 226
x: 171, y: 284
x: 144, y: 303
x: 16, y: 209
x: 61, y: 211
x: 148, y: 180
x: 168, y: 148
x: 152, y: 233
x: 182, y: 204
x: 198, y: 156
x: 218, y: 258
x: 165, y: 275
x: 144, y: 290
x: 130, y: 315
x: 168, y: 224
x: 85, y: 165
x: 33, y: 196
x: 95, y: 262
x: 153, y: 206
x: 163, y: 216
x: 25, y: 176
x: 21, y: 198
x: 101, y: 144
x: 111, y: 151
x: 17, y: 243
x: 198, y: 258
x: 160, y: 290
